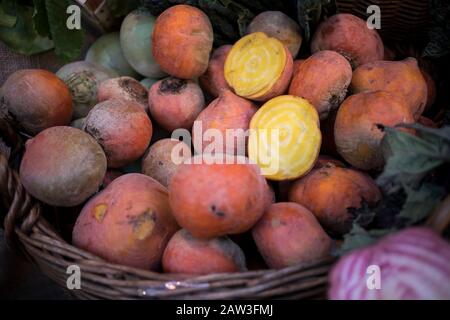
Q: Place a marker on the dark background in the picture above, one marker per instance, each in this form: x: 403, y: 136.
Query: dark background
x: 19, y: 279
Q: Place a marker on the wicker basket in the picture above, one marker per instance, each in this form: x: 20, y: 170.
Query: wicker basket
x: 29, y: 230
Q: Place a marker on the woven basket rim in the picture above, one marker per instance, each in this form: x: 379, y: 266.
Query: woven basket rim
x: 27, y: 231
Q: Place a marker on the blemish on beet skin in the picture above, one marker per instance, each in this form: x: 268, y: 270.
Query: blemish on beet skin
x: 172, y: 86
x: 329, y: 29
x: 143, y: 224
x: 220, y: 214
x: 134, y: 89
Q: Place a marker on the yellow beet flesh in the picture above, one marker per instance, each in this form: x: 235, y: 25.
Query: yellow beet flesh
x: 285, y: 137
x: 254, y: 65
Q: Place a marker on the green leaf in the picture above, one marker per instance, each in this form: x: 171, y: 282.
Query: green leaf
x: 409, y: 158
x: 359, y: 237
x: 415, y: 179
x: 68, y: 43
x: 7, y: 20
x: 40, y: 18
x: 120, y: 8
x: 311, y: 12
x: 421, y: 202
x: 23, y: 37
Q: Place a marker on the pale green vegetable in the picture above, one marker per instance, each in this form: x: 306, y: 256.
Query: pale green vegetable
x: 78, y: 123
x: 148, y: 82
x: 136, y: 42
x: 107, y: 52
x: 83, y: 79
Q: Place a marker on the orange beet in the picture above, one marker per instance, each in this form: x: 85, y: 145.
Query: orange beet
x: 175, y: 103
x: 129, y: 222
x: 326, y: 161
x: 322, y: 79
x: 349, y: 36
x: 431, y: 88
x: 211, y: 199
x: 213, y: 80
x: 158, y: 162
x: 228, y: 112
x: 189, y: 255
x: 356, y: 132
x: 182, y: 41
x: 269, y: 195
x: 289, y: 234
x: 122, y: 128
x: 403, y: 78
x: 34, y: 100
x: 296, y: 66
x: 123, y: 88
x: 329, y: 191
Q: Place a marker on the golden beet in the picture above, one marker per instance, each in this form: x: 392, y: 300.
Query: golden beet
x: 322, y: 79
x: 349, y: 36
x: 402, y: 78
x: 189, y: 255
x: 356, y: 130
x: 129, y: 222
x: 296, y: 65
x: 182, y: 41
x: 212, y: 199
x: 228, y: 115
x: 431, y: 88
x: 35, y: 100
x: 289, y: 234
x: 285, y: 138
x: 213, y: 80
x: 175, y: 103
x: 258, y: 67
x: 329, y: 191
x: 122, y: 128
x: 125, y: 88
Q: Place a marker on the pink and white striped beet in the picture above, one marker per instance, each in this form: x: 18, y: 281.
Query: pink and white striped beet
x: 413, y: 264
